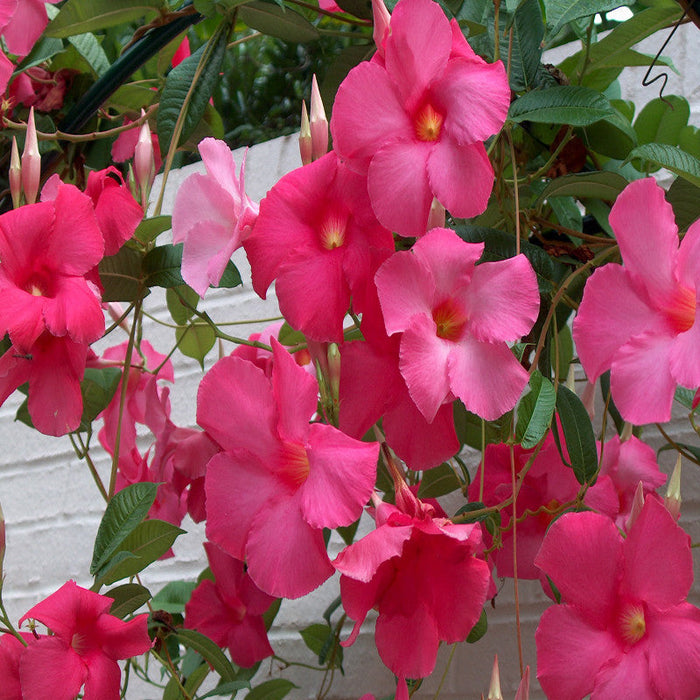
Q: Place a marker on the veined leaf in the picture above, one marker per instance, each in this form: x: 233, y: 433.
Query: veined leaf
x: 578, y: 434
x: 670, y: 157
x: 564, y: 104
x: 208, y: 650
x: 80, y: 16
x: 599, y: 185
x: 535, y: 411
x: 127, y: 598
x: 661, y: 121
x: 269, y: 18
x: 91, y: 50
x: 560, y: 12
x: 275, y: 689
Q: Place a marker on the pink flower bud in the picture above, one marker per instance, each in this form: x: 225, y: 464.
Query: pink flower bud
x: 318, y: 123
x: 495, y: 687
x: 15, y: 175
x: 524, y: 687
x: 436, y: 217
x: 31, y: 162
x: 382, y: 19
x: 144, y: 161
x: 305, y: 136
x: 672, y: 501
x: 637, y: 505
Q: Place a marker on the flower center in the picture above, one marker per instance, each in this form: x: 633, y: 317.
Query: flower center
x: 681, y: 311
x: 333, y: 229
x: 294, y: 464
x: 79, y: 643
x: 449, y: 319
x: 428, y: 123
x: 632, y: 624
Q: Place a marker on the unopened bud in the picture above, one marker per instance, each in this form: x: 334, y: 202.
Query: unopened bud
x: 495, y: 687
x: 318, y: 123
x: 637, y: 505
x: 305, y: 136
x: 382, y: 21
x: 31, y: 162
x: 673, y: 491
x: 524, y: 687
x: 627, y: 432
x: 334, y: 373
x: 144, y: 162
x: 15, y: 175
x: 436, y: 217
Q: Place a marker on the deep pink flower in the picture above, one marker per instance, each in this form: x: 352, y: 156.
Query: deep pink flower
x: 649, y: 338
x: 212, y: 216
x: 624, y: 629
x: 124, y: 145
x: 229, y: 609
x: 457, y: 318
x: 45, y: 251
x: 284, y: 479
x: 21, y: 23
x: 11, y: 650
x: 421, y: 573
x: 415, y: 121
x: 83, y: 650
x: 318, y: 238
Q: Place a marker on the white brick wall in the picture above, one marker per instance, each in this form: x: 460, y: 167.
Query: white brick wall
x: 52, y: 507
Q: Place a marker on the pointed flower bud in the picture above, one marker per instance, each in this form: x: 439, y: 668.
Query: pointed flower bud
x: 334, y: 373
x: 673, y: 491
x: 15, y: 175
x: 495, y: 687
x: 318, y: 123
x: 626, y: 433
x: 637, y: 505
x: 382, y: 19
x: 305, y: 136
x: 144, y: 162
x: 31, y: 162
x: 436, y: 217
x: 523, y: 692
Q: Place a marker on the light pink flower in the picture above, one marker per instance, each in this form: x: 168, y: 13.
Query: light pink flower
x: 21, y: 23
x: 83, y: 650
x: 212, y: 216
x: 624, y: 628
x: 318, y: 238
x: 457, y: 318
x: 284, y: 479
x: 415, y: 121
x: 421, y: 573
x: 649, y: 337
x: 229, y: 610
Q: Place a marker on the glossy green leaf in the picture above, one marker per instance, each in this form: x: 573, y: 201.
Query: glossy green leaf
x: 567, y: 212
x: 535, y: 411
x: 273, y: 20
x: 161, y: 266
x: 121, y: 275
x: 661, y: 121
x: 479, y: 629
x: 565, y: 346
x: 564, y: 104
x: 689, y: 140
x: 149, y: 229
x: 274, y: 689
x: 131, y: 98
x: 684, y: 197
x: 348, y: 533
x: 195, y: 340
x: 127, y: 599
x: 149, y: 541
x: 318, y: 638
x: 578, y: 435
x: 91, y: 50
x: 438, y: 481
x: 80, y: 16
x: 189, y: 87
x: 598, y: 185
x: 227, y: 689
x: 123, y: 514
x: 97, y: 388
x: 613, y: 136
x: 181, y: 303
x: 173, y: 596
x: 209, y: 651
x: 231, y: 277
x: 560, y: 12
x: 685, y: 397
x: 526, y: 48
x: 43, y: 50
x: 670, y: 157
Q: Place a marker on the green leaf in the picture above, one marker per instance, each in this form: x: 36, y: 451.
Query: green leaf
x: 127, y: 599
x: 123, y: 514
x: 208, y: 650
x: 274, y: 689
x: 228, y: 688
x: 560, y: 12
x: 564, y: 104
x: 659, y: 122
x: 689, y: 140
x: 685, y: 397
x: 195, y: 340
x: 97, y: 388
x: 567, y: 212
x: 613, y: 136
x: 131, y: 98
x: 273, y: 20
x: 231, y: 277
x: 670, y: 157
x: 479, y: 629
x: 578, y: 434
x: 597, y: 185
x: 438, y: 482
x: 358, y: 8
x: 149, y: 229
x: 316, y: 638
x: 80, y: 16
x: 91, y: 50
x: 161, y: 266
x: 348, y: 532
x: 188, y: 88
x: 43, y: 50
x: 526, y: 49
x: 173, y: 596
x: 694, y: 450
x: 149, y: 541
x: 121, y: 275
x: 566, y: 352
x: 684, y: 197
x: 535, y: 411
x: 181, y: 303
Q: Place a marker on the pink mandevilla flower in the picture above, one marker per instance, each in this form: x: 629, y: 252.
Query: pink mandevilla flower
x: 82, y: 651
x: 230, y: 609
x: 421, y: 573
x: 21, y: 23
x: 284, y: 479
x: 457, y: 318
x: 415, y: 121
x: 624, y: 628
x: 212, y: 216
x: 649, y: 338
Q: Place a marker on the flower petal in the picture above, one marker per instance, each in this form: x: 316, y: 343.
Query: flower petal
x: 49, y: 668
